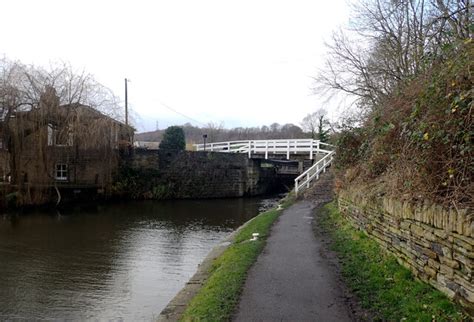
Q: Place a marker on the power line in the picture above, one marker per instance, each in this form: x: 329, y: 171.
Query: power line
x: 184, y: 115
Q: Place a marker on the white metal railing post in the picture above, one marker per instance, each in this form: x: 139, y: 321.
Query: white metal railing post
x: 311, y: 150
x: 288, y: 149
x: 212, y: 147
x: 250, y: 149
x: 266, y: 149
x: 313, y: 173
x: 228, y: 146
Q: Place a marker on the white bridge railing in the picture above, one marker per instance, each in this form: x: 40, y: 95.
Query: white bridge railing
x: 304, y: 179
x: 266, y: 147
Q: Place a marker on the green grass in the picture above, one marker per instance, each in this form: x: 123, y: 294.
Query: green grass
x: 220, y: 294
x: 383, y: 286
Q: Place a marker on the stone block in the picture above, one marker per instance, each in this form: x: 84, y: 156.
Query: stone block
x: 393, y: 230
x: 417, y: 230
x: 459, y: 226
x: 463, y: 282
x: 395, y: 241
x: 429, y: 253
x: 440, y: 233
x: 438, y: 220
x: 447, y: 252
x: 437, y: 248
x: 420, y: 241
x: 463, y: 251
x: 408, y: 252
x: 430, y: 271
x: 446, y: 271
x: 464, y: 241
x: 434, y: 264
x: 463, y: 259
x: 405, y: 224
x: 442, y: 286
x: 449, y: 262
x: 466, y: 300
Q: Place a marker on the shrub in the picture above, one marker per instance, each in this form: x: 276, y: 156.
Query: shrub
x: 173, y: 139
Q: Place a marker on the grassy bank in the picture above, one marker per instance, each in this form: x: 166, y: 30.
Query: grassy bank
x: 382, y: 285
x: 220, y: 294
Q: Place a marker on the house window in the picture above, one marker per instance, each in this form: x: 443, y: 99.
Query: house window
x: 60, y: 136
x: 63, y: 138
x: 50, y: 134
x: 61, y: 171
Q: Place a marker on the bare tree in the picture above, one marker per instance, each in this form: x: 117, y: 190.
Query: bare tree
x: 214, y: 131
x: 389, y: 43
x: 315, y: 123
x: 55, y: 105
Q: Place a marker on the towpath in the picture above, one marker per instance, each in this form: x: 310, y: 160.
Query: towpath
x: 293, y: 280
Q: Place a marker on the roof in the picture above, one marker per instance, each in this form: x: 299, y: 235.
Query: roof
x: 79, y: 107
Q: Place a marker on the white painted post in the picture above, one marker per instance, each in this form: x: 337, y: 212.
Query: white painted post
x: 317, y: 171
x: 212, y: 147
x: 288, y: 150
x: 307, y: 180
x: 324, y: 166
x: 296, y: 188
x: 266, y: 149
x: 250, y: 149
x: 228, y: 147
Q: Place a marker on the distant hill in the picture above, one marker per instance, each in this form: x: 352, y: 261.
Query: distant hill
x: 217, y: 133
x: 152, y: 136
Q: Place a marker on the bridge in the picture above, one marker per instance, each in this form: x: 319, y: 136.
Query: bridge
x: 321, y: 152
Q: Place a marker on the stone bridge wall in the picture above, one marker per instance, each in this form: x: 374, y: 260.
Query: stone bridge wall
x: 189, y: 174
x: 435, y: 244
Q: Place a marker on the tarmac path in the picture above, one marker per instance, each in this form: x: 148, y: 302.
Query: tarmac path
x: 292, y: 279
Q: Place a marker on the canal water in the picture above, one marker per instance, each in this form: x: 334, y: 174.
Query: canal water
x: 117, y: 261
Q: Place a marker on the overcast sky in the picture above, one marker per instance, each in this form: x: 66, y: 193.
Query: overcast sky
x: 243, y: 63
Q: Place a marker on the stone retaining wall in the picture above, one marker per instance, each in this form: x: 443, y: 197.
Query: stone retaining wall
x: 437, y: 245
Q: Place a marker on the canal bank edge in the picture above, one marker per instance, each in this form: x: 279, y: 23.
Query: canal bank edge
x: 177, y: 306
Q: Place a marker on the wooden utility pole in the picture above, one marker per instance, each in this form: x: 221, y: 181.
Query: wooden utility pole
x: 126, y: 103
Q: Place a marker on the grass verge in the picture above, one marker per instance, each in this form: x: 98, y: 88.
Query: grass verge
x: 218, y: 297
x: 383, y: 286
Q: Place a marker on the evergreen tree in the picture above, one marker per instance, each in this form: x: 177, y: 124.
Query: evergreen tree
x: 173, y: 139
x: 322, y: 133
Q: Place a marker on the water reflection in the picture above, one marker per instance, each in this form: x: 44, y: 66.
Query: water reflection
x: 124, y: 260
